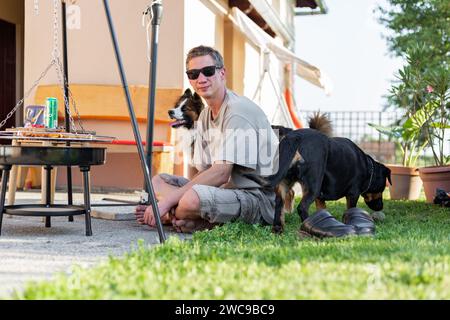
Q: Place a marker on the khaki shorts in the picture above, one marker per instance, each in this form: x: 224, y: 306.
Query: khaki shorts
x: 218, y: 205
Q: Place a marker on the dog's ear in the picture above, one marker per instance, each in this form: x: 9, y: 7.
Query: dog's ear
x: 196, y: 96
x: 197, y: 103
x: 187, y: 92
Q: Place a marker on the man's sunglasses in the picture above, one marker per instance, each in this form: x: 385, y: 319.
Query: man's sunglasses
x: 209, y: 71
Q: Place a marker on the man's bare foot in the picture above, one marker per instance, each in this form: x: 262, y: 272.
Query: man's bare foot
x: 140, y: 211
x: 189, y: 226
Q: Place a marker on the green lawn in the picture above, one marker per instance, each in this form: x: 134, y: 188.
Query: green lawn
x: 409, y: 258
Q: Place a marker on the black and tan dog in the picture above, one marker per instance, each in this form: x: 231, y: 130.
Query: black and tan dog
x: 327, y: 169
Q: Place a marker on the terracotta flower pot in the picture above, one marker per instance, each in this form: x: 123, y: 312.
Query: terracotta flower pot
x: 406, y: 183
x: 433, y: 178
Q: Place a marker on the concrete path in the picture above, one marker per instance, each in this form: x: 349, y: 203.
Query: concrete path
x: 29, y: 251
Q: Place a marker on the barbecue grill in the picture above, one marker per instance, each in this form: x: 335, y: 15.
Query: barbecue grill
x: 47, y: 147
x: 49, y: 157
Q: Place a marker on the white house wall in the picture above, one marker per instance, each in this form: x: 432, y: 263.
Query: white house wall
x: 90, y: 51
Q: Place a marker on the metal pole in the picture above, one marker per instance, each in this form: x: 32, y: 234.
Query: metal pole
x: 156, y: 11
x: 137, y: 136
x: 66, y: 98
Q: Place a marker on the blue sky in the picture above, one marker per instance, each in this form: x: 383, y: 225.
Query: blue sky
x: 347, y: 44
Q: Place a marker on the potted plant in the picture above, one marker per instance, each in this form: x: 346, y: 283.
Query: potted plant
x: 435, y: 116
x: 408, y: 132
x: 406, y: 182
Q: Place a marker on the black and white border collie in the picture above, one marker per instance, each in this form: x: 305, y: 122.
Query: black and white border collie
x: 187, y: 110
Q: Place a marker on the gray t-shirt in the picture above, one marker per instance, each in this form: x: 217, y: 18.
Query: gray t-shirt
x: 240, y: 134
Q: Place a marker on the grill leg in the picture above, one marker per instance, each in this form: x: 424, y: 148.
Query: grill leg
x: 5, y: 177
x: 69, y: 190
x: 48, y: 197
x: 87, y: 200
x: 48, y: 222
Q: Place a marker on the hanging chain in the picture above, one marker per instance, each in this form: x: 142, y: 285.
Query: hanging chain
x: 63, y: 81
x: 55, y: 52
x: 60, y: 72
x: 76, y: 111
x: 67, y: 104
x: 58, y: 65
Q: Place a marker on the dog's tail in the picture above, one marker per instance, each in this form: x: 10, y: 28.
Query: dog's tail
x: 320, y: 122
x: 288, y: 149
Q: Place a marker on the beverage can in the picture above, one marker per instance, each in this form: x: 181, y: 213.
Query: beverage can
x: 51, y: 113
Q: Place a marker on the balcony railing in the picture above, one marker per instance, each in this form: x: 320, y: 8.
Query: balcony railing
x: 354, y: 125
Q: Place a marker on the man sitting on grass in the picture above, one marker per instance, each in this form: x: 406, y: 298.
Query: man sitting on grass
x: 235, y: 145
